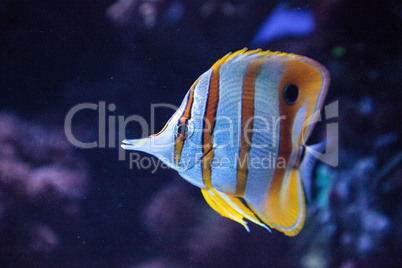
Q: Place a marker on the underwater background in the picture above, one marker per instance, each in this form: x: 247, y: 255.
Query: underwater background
x: 61, y: 205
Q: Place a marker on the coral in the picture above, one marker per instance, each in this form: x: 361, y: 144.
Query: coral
x: 41, y: 179
x: 146, y: 13
x: 187, y: 226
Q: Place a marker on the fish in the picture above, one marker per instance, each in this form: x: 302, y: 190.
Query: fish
x: 240, y: 135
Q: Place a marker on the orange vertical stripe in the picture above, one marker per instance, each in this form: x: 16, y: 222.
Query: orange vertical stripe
x: 189, y: 106
x: 246, y: 127
x: 209, y: 124
x: 179, y: 143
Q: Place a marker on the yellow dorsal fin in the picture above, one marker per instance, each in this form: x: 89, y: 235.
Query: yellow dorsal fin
x: 246, y: 52
x: 230, y: 207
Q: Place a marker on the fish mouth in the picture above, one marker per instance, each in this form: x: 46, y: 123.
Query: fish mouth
x: 132, y: 144
x: 125, y: 142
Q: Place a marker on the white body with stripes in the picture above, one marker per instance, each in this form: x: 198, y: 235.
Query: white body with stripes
x: 239, y: 135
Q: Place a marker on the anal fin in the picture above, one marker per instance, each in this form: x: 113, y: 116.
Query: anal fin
x: 230, y: 207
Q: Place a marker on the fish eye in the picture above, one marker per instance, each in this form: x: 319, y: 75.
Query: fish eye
x: 291, y: 93
x: 182, y: 131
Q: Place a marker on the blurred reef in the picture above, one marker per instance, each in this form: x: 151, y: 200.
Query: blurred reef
x: 65, y: 206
